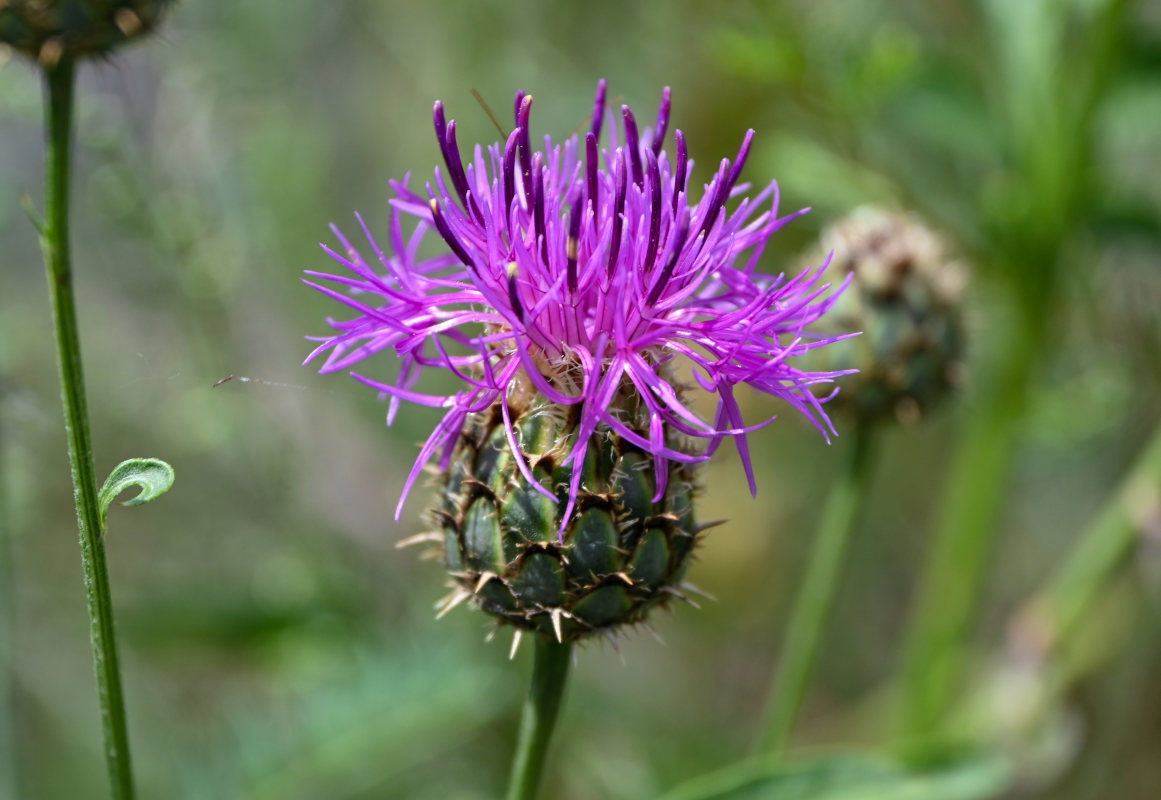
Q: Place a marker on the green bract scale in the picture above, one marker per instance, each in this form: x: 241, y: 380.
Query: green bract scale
x: 620, y: 555
x: 904, y: 297
x: 48, y: 30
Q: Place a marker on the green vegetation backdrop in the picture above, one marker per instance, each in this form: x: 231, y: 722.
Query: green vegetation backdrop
x: 275, y: 644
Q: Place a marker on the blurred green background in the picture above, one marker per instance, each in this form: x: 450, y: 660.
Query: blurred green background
x: 276, y: 644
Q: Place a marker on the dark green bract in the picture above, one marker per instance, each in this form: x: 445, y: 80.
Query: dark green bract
x: 620, y: 555
x: 51, y: 29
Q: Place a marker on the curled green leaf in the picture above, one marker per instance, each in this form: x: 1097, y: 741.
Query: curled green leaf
x: 152, y: 475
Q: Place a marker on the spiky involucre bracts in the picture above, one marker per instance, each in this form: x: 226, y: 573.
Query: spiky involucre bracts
x: 904, y: 296
x: 578, y: 273
x: 620, y: 554
x: 51, y: 29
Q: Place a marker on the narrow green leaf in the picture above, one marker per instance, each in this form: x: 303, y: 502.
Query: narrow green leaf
x: 849, y: 777
x: 152, y: 475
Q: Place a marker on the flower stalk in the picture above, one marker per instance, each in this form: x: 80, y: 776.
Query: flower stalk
x: 538, y: 719
x: 60, y: 82
x: 945, y: 609
x: 816, y: 595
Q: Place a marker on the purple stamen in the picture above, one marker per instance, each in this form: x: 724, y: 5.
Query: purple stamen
x: 445, y: 133
x: 682, y: 165
x: 632, y: 145
x: 522, y: 116
x: 591, y: 170
x: 455, y: 167
x: 440, y: 126
x: 740, y: 161
x: 719, y: 196
x: 662, y: 121
x: 571, y: 244
x: 680, y: 234
x: 618, y: 210
x: 449, y: 237
x: 654, y: 212
x: 510, y: 170
x: 516, y: 106
x: 538, y: 230
x: 599, y: 108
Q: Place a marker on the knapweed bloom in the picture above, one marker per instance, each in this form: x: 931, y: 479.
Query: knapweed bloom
x: 580, y: 298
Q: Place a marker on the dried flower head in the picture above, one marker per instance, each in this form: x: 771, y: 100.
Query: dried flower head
x: 580, y: 273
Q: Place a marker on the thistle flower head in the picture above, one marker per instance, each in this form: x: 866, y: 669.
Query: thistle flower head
x: 583, y: 274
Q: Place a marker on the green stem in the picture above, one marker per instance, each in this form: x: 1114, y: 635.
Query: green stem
x: 549, y: 674
x: 55, y: 242
x: 816, y: 596
x: 948, y: 597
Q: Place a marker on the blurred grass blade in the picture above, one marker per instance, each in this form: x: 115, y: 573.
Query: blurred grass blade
x: 849, y: 777
x: 152, y: 475
x: 1134, y: 509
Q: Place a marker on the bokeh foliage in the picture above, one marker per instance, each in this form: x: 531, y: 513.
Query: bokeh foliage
x: 277, y: 645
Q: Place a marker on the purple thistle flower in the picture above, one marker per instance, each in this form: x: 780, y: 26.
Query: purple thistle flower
x: 581, y: 272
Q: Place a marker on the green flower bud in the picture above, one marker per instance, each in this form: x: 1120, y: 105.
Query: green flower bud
x: 905, y: 297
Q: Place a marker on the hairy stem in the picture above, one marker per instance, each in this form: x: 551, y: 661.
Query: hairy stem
x: 549, y: 675
x: 60, y: 82
x: 816, y: 597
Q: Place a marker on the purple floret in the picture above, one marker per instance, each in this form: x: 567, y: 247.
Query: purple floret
x: 584, y: 271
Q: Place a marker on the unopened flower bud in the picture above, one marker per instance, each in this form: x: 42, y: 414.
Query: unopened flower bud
x: 904, y: 297
x: 49, y: 30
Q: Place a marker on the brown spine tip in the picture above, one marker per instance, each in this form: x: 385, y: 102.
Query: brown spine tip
x: 128, y: 22
x: 556, y: 615
x: 50, y: 53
